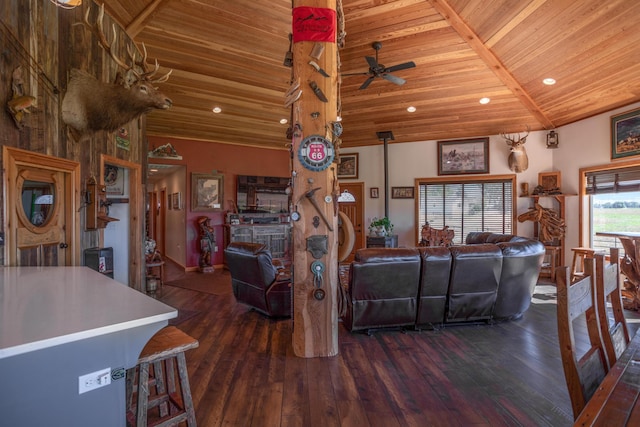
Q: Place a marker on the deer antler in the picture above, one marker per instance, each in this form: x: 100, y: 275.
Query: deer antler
x: 98, y: 29
x: 511, y: 140
x: 146, y: 74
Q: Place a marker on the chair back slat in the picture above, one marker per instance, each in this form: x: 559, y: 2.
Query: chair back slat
x: 584, y: 370
x: 613, y: 326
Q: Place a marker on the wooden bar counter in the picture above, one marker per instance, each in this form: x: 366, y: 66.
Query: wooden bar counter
x: 60, y: 323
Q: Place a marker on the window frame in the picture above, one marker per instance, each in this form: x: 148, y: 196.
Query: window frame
x: 466, y: 180
x: 585, y: 228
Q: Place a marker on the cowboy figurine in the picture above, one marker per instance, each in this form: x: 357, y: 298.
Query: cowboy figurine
x: 207, y: 244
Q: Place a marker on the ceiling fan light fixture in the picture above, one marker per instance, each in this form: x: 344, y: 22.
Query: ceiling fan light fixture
x: 67, y: 4
x: 411, y: 109
x: 549, y: 81
x: 485, y: 100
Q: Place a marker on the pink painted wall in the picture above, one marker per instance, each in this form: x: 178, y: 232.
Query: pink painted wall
x: 228, y: 160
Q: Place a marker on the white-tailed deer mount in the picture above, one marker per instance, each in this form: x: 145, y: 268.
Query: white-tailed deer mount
x: 518, y: 160
x: 90, y: 105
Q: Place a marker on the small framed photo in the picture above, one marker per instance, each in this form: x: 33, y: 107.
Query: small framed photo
x: 550, y: 181
x: 402, y: 192
x: 348, y: 166
x: 625, y: 134
x: 373, y: 192
x: 206, y: 192
x: 176, y: 200
x: 464, y: 156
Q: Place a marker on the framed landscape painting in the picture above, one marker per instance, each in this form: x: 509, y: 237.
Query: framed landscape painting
x: 464, y: 156
x: 625, y: 134
x: 348, y: 166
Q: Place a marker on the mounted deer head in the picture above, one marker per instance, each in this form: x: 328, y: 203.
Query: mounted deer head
x: 90, y: 105
x: 518, y: 160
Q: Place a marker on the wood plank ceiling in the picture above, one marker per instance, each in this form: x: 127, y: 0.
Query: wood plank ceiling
x: 230, y: 54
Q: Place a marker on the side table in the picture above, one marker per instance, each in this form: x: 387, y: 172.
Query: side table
x: 382, y: 242
x: 153, y: 263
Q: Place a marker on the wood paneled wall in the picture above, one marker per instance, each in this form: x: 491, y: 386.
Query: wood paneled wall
x: 47, y: 42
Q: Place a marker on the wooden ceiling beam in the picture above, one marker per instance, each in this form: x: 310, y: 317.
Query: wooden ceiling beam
x: 469, y: 36
x: 139, y: 22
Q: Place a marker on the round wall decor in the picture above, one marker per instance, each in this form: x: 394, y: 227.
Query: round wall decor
x: 316, y: 153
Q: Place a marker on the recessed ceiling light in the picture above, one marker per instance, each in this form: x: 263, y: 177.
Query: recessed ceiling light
x: 485, y: 100
x: 411, y: 109
x: 153, y: 170
x: 284, y: 121
x: 217, y: 110
x: 549, y: 81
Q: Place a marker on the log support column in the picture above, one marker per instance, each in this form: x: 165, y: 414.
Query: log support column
x: 314, y: 179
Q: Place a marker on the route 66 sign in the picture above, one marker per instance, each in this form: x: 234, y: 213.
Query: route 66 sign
x: 316, y: 153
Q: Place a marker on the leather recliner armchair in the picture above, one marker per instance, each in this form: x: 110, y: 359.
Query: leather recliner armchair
x: 256, y: 281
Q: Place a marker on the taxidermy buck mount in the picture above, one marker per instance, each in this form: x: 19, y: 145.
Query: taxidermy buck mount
x: 518, y: 160
x: 90, y: 105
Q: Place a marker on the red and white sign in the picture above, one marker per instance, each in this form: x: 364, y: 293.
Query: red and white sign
x: 314, y: 24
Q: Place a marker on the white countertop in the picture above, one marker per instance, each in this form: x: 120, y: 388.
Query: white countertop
x: 45, y: 306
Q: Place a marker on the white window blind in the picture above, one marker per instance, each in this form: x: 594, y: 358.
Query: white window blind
x: 466, y: 206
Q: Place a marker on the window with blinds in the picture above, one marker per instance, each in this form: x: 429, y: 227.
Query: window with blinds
x: 466, y: 206
x: 620, y: 180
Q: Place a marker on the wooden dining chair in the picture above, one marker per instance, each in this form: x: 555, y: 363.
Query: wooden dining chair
x: 583, y: 371
x: 613, y: 326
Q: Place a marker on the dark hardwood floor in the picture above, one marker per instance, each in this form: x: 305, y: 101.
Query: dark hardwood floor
x: 244, y: 372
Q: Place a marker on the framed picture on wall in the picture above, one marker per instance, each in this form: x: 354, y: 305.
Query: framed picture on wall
x: 402, y: 192
x: 207, y: 192
x: 625, y: 134
x: 176, y: 200
x: 348, y: 166
x: 114, y: 180
x: 550, y: 181
x: 373, y: 192
x: 465, y: 156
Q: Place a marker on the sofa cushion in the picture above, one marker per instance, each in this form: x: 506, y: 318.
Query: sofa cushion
x: 475, y: 275
x: 434, y: 283
x: 383, y: 288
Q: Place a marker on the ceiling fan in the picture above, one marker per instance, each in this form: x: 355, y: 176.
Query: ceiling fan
x: 379, y: 70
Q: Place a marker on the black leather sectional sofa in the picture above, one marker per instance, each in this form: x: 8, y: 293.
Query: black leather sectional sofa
x: 491, y: 277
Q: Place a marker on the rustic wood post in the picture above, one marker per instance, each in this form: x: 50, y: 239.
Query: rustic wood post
x: 315, y: 187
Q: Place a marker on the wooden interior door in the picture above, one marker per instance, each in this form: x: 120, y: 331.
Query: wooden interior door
x: 40, y: 210
x: 355, y: 212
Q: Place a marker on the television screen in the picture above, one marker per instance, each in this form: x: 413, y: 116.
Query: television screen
x: 262, y: 194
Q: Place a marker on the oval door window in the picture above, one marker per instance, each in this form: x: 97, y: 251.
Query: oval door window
x: 38, y: 201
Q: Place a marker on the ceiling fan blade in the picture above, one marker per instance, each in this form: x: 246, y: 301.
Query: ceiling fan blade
x: 399, y: 67
x: 371, y: 61
x: 367, y: 83
x: 366, y: 73
x: 393, y: 79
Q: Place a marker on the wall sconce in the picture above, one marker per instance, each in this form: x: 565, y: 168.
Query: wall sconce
x: 552, y: 139
x: 67, y: 4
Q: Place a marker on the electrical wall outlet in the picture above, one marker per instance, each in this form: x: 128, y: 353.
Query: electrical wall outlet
x: 94, y: 380
x: 215, y: 249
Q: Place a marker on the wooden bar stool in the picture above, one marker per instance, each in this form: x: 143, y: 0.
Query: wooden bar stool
x: 175, y: 406
x: 577, y: 266
x: 551, y: 262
